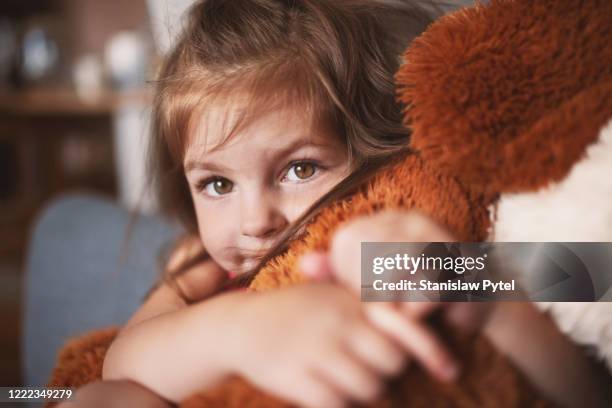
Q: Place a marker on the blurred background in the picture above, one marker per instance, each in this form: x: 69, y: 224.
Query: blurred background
x: 74, y: 116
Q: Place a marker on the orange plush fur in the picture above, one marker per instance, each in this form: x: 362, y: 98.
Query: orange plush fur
x: 500, y: 97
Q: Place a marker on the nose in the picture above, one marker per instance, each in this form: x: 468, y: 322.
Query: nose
x: 261, y: 216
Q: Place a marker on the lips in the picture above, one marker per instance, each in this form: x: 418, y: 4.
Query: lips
x: 249, y: 253
x: 248, y: 258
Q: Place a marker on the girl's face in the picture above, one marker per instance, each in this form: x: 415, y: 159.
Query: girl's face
x: 249, y: 190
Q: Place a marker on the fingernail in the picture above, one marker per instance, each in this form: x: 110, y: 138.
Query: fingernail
x: 310, y: 264
x: 307, y: 263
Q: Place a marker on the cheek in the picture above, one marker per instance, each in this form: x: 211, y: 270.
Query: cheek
x: 297, y: 204
x: 214, y: 229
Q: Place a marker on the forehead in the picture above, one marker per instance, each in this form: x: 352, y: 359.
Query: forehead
x: 221, y: 126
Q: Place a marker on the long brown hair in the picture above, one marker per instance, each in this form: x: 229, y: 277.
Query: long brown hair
x: 336, y: 59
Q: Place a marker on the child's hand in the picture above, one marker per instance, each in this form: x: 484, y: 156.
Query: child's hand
x: 343, y: 261
x: 312, y: 345
x: 343, y: 264
x: 200, y: 280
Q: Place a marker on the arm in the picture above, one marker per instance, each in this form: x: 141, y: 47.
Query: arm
x: 173, y: 353
x: 555, y: 365
x: 148, y: 328
x: 191, y: 284
x: 196, y: 284
x: 331, y: 355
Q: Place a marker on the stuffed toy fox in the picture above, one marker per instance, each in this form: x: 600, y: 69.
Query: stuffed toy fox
x: 509, y: 104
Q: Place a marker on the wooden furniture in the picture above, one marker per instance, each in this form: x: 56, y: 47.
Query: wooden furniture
x: 51, y: 141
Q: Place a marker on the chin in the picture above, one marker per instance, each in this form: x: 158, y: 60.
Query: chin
x: 246, y: 266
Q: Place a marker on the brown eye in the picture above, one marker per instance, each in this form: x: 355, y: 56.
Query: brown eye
x: 222, y: 186
x: 218, y: 187
x: 301, y: 171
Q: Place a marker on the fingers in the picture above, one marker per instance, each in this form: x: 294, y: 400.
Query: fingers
x: 345, y: 258
x: 416, y: 338
x: 309, y: 390
x: 316, y: 266
x: 418, y: 227
x: 349, y: 376
x: 377, y: 351
x: 418, y: 310
x: 386, y: 226
x: 469, y: 316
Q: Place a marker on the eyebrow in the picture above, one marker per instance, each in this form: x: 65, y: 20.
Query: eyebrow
x: 202, y: 165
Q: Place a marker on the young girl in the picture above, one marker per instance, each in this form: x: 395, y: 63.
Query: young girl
x: 267, y: 110
x: 262, y: 108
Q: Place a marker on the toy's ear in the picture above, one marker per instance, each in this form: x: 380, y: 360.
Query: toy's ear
x: 508, y: 96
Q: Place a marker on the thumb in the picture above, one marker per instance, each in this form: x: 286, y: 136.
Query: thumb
x: 316, y: 266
